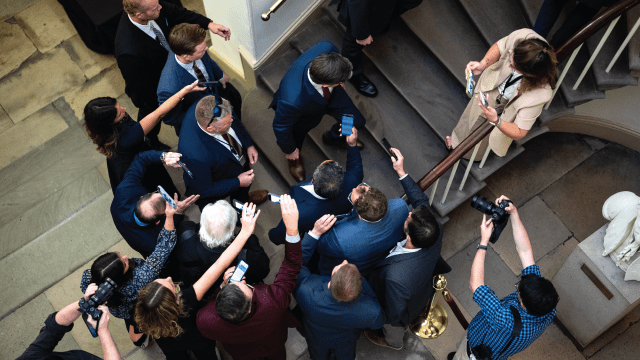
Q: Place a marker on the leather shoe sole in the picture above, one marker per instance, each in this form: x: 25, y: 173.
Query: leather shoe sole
x: 296, y: 169
x: 364, y: 85
x: 378, y: 340
x: 258, y: 196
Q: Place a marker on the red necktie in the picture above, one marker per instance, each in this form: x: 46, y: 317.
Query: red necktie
x: 326, y: 93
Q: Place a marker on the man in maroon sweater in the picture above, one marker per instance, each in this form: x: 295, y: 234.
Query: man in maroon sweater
x: 252, y: 322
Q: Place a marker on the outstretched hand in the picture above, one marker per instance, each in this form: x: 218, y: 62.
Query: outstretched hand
x: 289, y: 214
x: 398, y: 165
x: 183, y: 205
x: 323, y: 225
x: 511, y: 209
x: 249, y: 217
x: 486, y: 228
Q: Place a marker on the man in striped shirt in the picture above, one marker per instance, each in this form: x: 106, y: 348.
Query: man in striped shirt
x: 534, y: 301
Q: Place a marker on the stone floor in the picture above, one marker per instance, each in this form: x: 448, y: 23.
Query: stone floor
x: 55, y: 197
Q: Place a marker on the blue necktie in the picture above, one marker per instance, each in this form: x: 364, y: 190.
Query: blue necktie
x: 160, y: 37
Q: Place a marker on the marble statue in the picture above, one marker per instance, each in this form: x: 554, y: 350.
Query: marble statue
x: 622, y: 238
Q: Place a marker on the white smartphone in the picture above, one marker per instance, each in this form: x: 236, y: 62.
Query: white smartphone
x: 239, y: 272
x: 483, y: 99
x: 274, y: 198
x: 470, y: 83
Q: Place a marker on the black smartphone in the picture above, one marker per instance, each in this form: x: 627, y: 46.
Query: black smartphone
x: 347, y: 124
x: 388, y: 147
x: 184, y: 167
x: 239, y: 272
x: 207, y: 83
x: 167, y: 197
x: 274, y: 198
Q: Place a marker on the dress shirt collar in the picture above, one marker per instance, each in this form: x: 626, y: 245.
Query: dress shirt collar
x: 189, y: 68
x: 399, y: 249
x: 316, y: 86
x: 146, y: 28
x: 311, y: 191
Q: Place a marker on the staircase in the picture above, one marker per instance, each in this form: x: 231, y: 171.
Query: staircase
x: 418, y: 67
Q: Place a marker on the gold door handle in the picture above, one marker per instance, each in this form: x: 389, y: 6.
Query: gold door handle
x: 272, y: 9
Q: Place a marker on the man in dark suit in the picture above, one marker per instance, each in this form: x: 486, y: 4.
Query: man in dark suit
x: 336, y: 308
x: 138, y: 214
x: 365, y: 19
x: 366, y: 234
x: 219, y: 152
x: 141, y: 49
x: 189, y: 61
x: 200, y: 245
x: 327, y: 192
x: 309, y: 90
x: 403, y: 280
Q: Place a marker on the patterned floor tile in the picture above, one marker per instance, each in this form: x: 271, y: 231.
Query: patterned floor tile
x: 46, y: 24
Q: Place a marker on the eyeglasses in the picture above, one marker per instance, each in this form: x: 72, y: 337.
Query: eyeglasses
x: 252, y: 289
x: 361, y: 184
x: 517, y: 285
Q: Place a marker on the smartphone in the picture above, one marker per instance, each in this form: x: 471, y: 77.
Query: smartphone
x: 238, y: 205
x: 388, y: 147
x: 239, y: 272
x: 347, y: 124
x: 184, y: 167
x: 274, y: 198
x: 483, y: 99
x: 168, y: 198
x: 207, y: 83
x: 470, y: 83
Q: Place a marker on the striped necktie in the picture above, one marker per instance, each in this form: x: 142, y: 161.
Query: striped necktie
x: 199, y: 73
x: 160, y: 37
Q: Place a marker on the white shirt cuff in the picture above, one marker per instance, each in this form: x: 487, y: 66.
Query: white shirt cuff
x: 405, y: 175
x: 314, y: 235
x: 220, y: 80
x: 293, y: 239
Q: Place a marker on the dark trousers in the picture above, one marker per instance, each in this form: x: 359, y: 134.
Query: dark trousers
x: 549, y: 13
x: 178, y: 348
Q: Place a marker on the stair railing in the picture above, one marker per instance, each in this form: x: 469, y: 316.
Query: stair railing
x: 571, y: 46
x: 574, y: 44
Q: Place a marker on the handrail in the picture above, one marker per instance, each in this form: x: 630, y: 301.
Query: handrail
x: 592, y: 27
x: 266, y: 16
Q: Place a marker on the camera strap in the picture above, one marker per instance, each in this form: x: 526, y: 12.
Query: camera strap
x: 517, y: 327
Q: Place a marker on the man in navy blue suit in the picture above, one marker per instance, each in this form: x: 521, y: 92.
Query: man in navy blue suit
x: 366, y: 234
x: 189, y: 61
x: 312, y: 87
x: 403, y: 280
x: 327, y: 192
x: 138, y: 214
x: 219, y: 152
x: 336, y: 308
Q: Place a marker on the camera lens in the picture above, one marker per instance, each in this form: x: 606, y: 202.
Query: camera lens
x: 481, y: 204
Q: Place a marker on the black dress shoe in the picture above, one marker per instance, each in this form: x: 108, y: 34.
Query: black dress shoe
x: 364, y: 85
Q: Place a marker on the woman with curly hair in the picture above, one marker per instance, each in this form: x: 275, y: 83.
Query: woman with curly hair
x: 119, y: 138
x: 168, y: 314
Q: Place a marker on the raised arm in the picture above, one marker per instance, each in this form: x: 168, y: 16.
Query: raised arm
x: 151, y: 120
x: 520, y: 236
x: 490, y: 58
x: 477, y: 268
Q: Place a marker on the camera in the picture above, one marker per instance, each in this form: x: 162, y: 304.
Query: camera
x: 498, y: 214
x: 90, y: 306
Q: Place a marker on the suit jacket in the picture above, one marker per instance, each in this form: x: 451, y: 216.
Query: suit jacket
x: 215, y: 169
x: 195, y: 257
x: 264, y: 331
x: 141, y: 238
x: 331, y: 326
x: 141, y: 58
x: 297, y: 99
x: 403, y: 283
x: 174, y: 77
x: 360, y: 242
x: 311, y: 208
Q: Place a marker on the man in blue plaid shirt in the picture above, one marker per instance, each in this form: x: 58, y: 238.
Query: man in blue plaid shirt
x: 535, y: 300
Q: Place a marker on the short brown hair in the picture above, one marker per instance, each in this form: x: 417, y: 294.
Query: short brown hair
x: 346, y: 283
x: 537, y: 62
x: 330, y: 69
x: 131, y: 7
x: 158, y: 310
x: 372, y: 205
x: 184, y: 38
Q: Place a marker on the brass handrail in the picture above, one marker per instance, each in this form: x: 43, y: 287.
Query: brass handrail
x: 266, y: 16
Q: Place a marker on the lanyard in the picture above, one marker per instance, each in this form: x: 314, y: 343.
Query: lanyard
x: 509, y: 83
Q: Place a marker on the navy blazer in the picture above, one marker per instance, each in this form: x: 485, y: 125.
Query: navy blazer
x: 403, y: 283
x: 360, y: 242
x: 297, y: 99
x: 215, y: 169
x: 141, y: 238
x: 328, y: 325
x: 141, y: 58
x: 174, y: 77
x: 311, y: 208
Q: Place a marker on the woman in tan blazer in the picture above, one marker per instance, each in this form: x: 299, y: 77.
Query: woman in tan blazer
x: 518, y: 77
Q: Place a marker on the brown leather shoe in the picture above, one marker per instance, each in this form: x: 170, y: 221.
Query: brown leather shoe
x: 340, y: 142
x: 258, y: 196
x: 378, y: 340
x: 296, y: 168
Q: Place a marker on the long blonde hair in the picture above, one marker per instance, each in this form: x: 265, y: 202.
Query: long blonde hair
x: 158, y: 310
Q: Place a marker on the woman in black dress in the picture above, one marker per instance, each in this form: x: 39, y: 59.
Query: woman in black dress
x: 120, y: 138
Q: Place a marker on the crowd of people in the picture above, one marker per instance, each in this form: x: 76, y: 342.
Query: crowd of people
x: 355, y: 261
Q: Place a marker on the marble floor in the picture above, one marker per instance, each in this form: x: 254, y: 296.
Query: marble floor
x: 55, y: 198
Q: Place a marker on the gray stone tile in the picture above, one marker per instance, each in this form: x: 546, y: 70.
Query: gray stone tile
x: 9, y: 8
x: 612, y: 333
x: 556, y: 153
x: 66, y: 112
x: 153, y: 352
x: 578, y: 196
x: 624, y: 347
x: 107, y: 83
x: 51, y: 211
x: 47, y: 260
x: 412, y: 349
x: 46, y: 24
x: 91, y: 63
x: 30, y: 133
x: 546, y: 232
x: 553, y: 261
x: 20, y: 328
x: 5, y: 121
x: 497, y: 276
x: 551, y: 345
x: 38, y: 82
x: 15, y: 47
x: 296, y: 344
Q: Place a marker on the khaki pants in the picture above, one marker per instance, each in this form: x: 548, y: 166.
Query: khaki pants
x: 461, y: 353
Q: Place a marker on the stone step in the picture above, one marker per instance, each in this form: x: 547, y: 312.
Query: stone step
x: 454, y: 47
x: 48, y: 259
x: 274, y: 72
x: 536, y: 130
x: 494, y: 19
x: 618, y: 76
x: 587, y: 90
x: 633, y: 49
x: 455, y: 196
x: 493, y: 163
x: 556, y: 109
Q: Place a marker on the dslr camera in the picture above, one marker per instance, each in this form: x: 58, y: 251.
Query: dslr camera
x: 90, y: 306
x: 498, y: 214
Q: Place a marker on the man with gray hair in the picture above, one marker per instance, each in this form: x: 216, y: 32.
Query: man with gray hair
x: 218, y: 150
x: 200, y: 245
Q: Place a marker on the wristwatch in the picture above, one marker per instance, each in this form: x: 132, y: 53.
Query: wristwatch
x: 481, y: 247
x: 162, y: 155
